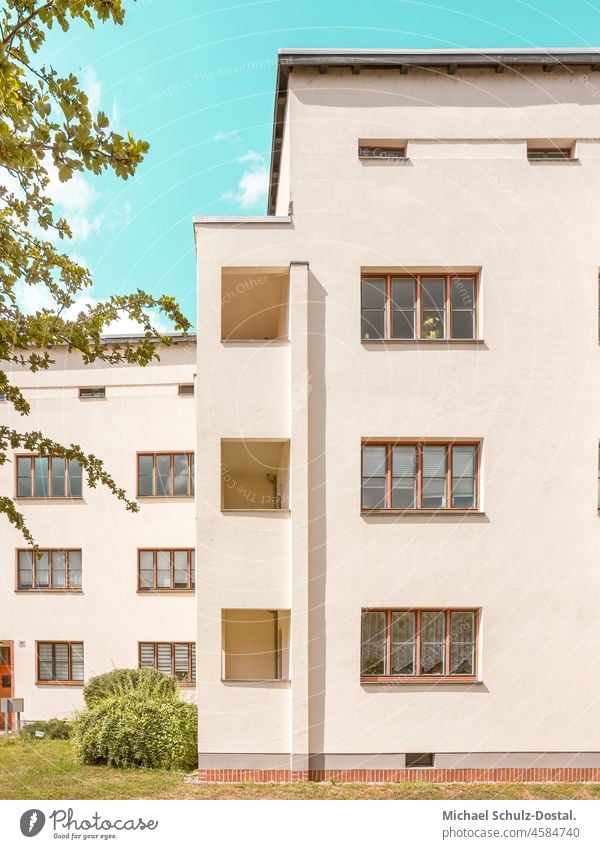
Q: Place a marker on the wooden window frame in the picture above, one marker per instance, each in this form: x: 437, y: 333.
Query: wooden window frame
x: 190, y: 680
x: 50, y: 458
x: 171, y: 454
x: 419, y: 277
x: 191, y: 587
x: 444, y: 678
x: 419, y: 444
x: 54, y: 681
x: 49, y: 588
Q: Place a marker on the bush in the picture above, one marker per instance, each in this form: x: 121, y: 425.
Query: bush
x: 147, y: 682
x: 54, y: 729
x: 133, y: 730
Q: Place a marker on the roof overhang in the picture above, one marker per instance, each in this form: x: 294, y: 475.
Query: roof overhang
x: 403, y: 61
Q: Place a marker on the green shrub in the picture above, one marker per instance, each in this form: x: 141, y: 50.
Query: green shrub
x: 147, y: 682
x: 133, y: 730
x: 54, y: 729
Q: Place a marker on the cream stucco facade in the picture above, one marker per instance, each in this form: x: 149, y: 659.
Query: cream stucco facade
x: 465, y: 200
x: 141, y: 412
x: 291, y: 560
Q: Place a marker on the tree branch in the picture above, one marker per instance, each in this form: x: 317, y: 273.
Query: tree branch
x: 21, y: 24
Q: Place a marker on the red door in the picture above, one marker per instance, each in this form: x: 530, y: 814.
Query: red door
x: 6, y: 681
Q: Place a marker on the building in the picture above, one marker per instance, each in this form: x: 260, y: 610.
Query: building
x: 112, y: 588
x: 395, y: 430
x: 398, y: 422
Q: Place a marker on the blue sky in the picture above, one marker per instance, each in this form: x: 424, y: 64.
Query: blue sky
x: 196, y: 78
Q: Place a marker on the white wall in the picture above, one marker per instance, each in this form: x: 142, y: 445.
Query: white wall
x: 529, y: 391
x: 142, y: 411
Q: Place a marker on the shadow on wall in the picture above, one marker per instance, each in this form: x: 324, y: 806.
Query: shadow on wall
x: 434, y: 88
x: 476, y: 687
x: 426, y: 519
x: 317, y: 519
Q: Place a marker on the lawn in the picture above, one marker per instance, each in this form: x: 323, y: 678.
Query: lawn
x: 46, y: 769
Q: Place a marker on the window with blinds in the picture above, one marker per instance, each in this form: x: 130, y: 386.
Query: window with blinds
x: 552, y: 153
x: 168, y: 474
x: 420, y: 476
x: 419, y: 306
x: 411, y: 644
x: 91, y: 392
x: 60, y: 662
x: 48, y: 477
x: 177, y: 660
x: 161, y: 570
x: 49, y: 569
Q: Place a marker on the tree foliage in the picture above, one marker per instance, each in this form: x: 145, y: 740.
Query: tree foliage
x: 146, y: 683
x: 47, y: 127
x: 138, y: 730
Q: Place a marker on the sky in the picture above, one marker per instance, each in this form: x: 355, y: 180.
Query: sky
x: 196, y: 78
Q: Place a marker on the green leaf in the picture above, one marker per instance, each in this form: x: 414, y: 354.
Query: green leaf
x: 33, y: 95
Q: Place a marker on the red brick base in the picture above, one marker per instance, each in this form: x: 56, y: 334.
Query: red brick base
x: 395, y: 776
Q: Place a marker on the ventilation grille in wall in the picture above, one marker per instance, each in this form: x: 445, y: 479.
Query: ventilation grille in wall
x: 381, y: 149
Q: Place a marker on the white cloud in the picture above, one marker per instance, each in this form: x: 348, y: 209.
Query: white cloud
x: 82, y: 226
x: 252, y: 156
x: 254, y: 182
x: 76, y: 195
x: 232, y: 135
x: 32, y: 299
x: 92, y: 87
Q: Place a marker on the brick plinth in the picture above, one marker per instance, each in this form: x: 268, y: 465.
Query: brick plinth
x: 396, y: 776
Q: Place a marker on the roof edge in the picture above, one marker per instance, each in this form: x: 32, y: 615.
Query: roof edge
x: 381, y: 58
x: 139, y: 337
x: 242, y: 219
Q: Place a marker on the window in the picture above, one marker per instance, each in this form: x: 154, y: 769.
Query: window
x: 54, y: 569
x: 537, y: 154
x: 186, y: 389
x: 168, y: 569
x: 48, y: 477
x: 419, y: 306
x: 420, y: 476
x: 175, y: 659
x: 59, y: 663
x: 168, y: 474
x: 384, y: 149
x: 92, y: 392
x: 419, y: 644
x: 418, y: 761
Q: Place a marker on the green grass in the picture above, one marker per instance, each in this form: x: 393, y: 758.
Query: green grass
x: 46, y: 769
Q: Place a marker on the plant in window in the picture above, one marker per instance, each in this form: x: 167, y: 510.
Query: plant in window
x: 373, y: 665
x: 432, y: 328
